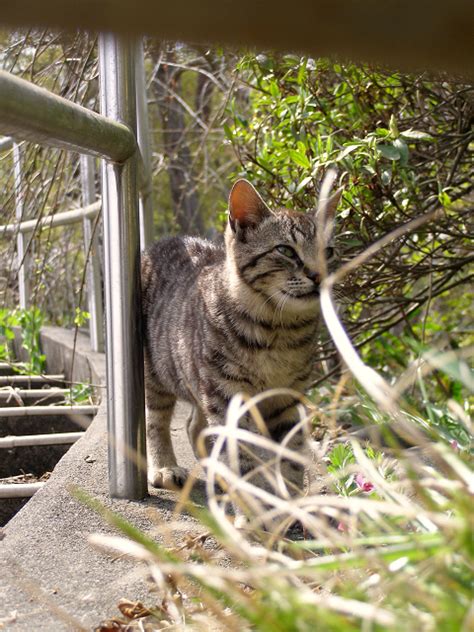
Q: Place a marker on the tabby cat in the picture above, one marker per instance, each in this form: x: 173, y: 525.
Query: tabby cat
x: 222, y: 319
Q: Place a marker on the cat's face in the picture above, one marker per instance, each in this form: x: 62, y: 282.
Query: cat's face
x: 274, y: 254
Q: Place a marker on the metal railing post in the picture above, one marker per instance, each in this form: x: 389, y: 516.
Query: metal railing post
x: 93, y: 261
x: 124, y: 342
x: 143, y: 137
x: 6, y: 143
x: 23, y: 257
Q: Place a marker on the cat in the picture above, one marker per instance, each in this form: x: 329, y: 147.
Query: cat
x: 220, y: 319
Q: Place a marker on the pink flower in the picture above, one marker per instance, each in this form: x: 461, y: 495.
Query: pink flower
x: 455, y: 445
x: 342, y: 527
x: 362, y: 484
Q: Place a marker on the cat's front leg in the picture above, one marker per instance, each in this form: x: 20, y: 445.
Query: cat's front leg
x: 163, y: 471
x: 279, y: 476
x: 290, y: 430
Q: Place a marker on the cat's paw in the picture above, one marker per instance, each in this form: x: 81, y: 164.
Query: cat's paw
x: 168, y: 477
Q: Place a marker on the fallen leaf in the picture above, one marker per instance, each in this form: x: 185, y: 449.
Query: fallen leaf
x: 111, y: 625
x: 10, y: 619
x: 133, y: 609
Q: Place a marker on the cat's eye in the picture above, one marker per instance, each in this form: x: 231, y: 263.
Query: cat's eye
x: 288, y: 251
x: 329, y: 252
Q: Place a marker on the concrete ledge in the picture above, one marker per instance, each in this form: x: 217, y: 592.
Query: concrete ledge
x: 50, y: 577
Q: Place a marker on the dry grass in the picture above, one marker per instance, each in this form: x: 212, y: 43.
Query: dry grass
x: 393, y: 551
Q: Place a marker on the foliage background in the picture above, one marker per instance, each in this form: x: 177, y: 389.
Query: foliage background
x: 402, y: 145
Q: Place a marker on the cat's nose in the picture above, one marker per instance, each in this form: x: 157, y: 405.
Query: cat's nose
x: 314, y: 276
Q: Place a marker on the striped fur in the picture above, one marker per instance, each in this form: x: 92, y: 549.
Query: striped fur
x: 220, y: 319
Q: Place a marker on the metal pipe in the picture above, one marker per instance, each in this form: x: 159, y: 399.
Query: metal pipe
x: 57, y: 438
x: 143, y: 136
x: 6, y: 380
x: 23, y: 259
x: 125, y: 381
x: 6, y: 143
x: 33, y: 393
x: 8, y: 366
x: 49, y: 221
x: 31, y: 113
x: 93, y: 262
x: 53, y: 411
x: 19, y: 490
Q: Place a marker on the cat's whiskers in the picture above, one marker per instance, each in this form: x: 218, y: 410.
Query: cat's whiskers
x: 262, y: 306
x: 279, y: 309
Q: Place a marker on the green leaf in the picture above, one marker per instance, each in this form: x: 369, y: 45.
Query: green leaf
x: 299, y: 158
x: 301, y: 147
x: 303, y: 183
x: 274, y: 90
x: 386, y: 176
x: 393, y: 127
x: 81, y: 317
x: 445, y: 199
x: 389, y: 151
x: 411, y: 134
x: 228, y: 132
x: 346, y: 151
x: 402, y: 148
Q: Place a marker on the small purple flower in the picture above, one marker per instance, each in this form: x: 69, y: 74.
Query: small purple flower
x: 455, y: 445
x: 363, y: 484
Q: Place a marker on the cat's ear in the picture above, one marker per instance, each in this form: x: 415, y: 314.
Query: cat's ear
x: 246, y: 207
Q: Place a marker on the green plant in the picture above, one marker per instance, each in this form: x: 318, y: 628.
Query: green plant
x: 391, y: 549
x: 8, y: 320
x: 30, y: 321
x: 79, y: 394
x: 81, y: 317
x: 402, y: 146
x: 348, y: 479
x: 397, y: 554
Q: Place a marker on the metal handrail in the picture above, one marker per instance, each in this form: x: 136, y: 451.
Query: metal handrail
x: 93, y: 259
x: 50, y: 221
x: 6, y: 143
x: 29, y: 112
